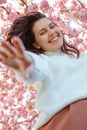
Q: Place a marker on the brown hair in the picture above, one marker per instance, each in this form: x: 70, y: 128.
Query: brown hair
x: 22, y: 27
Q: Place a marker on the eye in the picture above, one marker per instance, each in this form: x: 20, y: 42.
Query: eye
x: 52, y: 25
x: 42, y: 32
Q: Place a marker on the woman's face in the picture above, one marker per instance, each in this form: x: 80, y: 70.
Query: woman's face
x: 47, y: 35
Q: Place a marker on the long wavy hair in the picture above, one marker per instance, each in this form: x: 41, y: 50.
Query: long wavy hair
x: 22, y: 27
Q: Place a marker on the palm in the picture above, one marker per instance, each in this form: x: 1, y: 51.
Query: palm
x: 13, y: 56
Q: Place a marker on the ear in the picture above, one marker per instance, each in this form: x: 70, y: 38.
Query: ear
x: 36, y: 45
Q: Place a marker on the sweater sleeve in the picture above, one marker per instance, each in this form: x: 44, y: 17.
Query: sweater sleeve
x: 38, y: 70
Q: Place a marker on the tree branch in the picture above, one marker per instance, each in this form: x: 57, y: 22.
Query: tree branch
x: 24, y: 3
x: 4, y: 9
x: 81, y: 3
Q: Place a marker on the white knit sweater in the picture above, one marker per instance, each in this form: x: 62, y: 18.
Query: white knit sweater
x: 63, y: 81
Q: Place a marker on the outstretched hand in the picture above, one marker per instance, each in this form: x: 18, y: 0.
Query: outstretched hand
x: 13, y: 55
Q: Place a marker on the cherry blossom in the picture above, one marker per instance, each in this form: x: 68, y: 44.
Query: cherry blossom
x: 17, y: 100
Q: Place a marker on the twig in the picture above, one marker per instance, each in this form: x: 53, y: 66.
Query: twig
x: 81, y: 3
x: 23, y: 121
x: 4, y: 9
x: 24, y: 3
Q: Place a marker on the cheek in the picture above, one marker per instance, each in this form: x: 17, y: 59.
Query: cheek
x: 43, y: 39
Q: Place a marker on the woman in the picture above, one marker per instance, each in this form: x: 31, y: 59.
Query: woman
x: 40, y: 54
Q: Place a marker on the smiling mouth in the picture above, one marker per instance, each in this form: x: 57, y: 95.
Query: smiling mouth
x: 54, y: 38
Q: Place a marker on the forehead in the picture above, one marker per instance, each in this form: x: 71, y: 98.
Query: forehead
x: 41, y: 23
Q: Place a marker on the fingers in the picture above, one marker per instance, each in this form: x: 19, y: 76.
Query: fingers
x: 13, y: 56
x: 17, y: 42
x: 2, y: 59
x: 6, y: 49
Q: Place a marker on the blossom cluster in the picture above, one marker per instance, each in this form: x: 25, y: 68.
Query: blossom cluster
x: 17, y: 102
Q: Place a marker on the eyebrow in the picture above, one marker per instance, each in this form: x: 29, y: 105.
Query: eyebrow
x: 42, y: 29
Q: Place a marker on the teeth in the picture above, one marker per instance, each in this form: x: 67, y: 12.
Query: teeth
x: 54, y: 39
